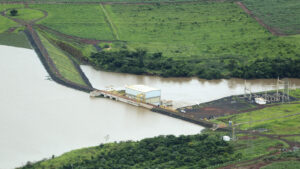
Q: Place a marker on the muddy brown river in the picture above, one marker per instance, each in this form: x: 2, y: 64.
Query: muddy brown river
x: 40, y: 118
x: 183, y: 91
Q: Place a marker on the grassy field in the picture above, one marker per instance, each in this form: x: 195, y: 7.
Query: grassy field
x: 283, y: 165
x: 213, y: 37
x: 270, y: 118
x: 28, y: 14
x: 293, y: 138
x: 183, y: 31
x: 195, y: 31
x: 6, y: 23
x: 87, y: 21
x: 283, y: 15
x: 14, y: 39
x: 145, y: 1
x: 62, y: 62
x: 287, y: 125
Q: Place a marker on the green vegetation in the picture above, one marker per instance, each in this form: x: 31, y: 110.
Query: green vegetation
x: 256, y: 147
x: 293, y: 138
x: 282, y: 15
x: 79, y: 20
x: 196, y: 151
x: 210, y: 39
x: 79, y: 51
x: 14, y: 39
x: 146, y: 1
x: 6, y: 23
x: 62, y: 62
x: 29, y: 14
x: 280, y: 119
x: 283, y: 165
x: 139, y: 62
x: 13, y: 12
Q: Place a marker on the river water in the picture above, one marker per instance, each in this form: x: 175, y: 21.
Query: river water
x: 183, y: 91
x: 39, y: 118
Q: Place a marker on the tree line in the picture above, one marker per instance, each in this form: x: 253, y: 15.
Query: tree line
x: 142, y: 62
x: 194, y: 151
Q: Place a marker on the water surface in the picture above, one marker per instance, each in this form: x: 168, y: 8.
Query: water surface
x: 183, y: 91
x: 39, y: 118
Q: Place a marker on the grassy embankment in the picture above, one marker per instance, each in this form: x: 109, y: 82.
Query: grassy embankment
x: 62, y: 62
x: 209, y: 39
x: 281, y: 15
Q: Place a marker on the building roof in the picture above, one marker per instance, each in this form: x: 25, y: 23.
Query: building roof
x: 141, y: 88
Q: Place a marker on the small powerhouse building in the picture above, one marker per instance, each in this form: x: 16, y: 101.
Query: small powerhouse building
x: 143, y: 93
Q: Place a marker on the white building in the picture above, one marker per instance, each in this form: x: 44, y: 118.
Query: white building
x: 143, y: 93
x: 260, y: 100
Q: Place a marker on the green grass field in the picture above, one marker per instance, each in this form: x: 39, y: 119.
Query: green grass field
x: 183, y: 31
x: 145, y: 1
x: 62, y: 62
x: 28, y: 14
x: 283, y: 165
x: 270, y: 118
x: 14, y: 39
x: 85, y: 21
x: 6, y: 23
x: 283, y: 15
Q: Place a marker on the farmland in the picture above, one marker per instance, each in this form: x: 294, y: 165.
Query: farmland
x: 208, y: 36
x: 85, y: 21
x: 281, y: 15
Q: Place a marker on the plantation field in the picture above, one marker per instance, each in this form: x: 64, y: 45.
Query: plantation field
x: 62, y: 62
x: 183, y: 31
x: 282, y: 15
x: 207, y: 39
x: 198, y: 30
x: 6, y: 23
x: 85, y: 21
x: 195, y: 31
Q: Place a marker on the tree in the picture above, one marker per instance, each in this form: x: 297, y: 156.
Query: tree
x: 13, y: 12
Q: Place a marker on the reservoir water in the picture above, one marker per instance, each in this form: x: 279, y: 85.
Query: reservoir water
x: 40, y: 118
